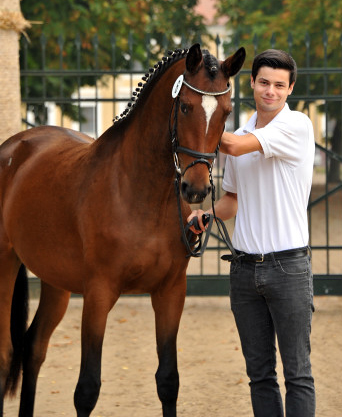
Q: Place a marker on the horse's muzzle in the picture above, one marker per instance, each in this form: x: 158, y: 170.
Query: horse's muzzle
x: 194, y: 195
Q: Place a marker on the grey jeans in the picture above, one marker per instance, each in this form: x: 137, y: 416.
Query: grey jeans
x: 275, y: 299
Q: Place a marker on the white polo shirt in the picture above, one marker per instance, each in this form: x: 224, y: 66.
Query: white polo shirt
x: 273, y: 187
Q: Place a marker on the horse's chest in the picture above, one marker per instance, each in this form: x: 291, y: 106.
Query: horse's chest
x: 150, y: 255
x: 150, y: 264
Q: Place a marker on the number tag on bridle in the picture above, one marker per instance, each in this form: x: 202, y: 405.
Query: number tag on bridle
x: 177, y: 86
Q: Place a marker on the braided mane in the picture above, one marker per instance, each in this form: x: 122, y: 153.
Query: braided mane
x: 154, y: 72
x: 210, y: 62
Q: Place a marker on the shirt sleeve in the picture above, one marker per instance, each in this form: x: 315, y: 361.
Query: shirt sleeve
x: 286, y: 139
x: 229, y: 178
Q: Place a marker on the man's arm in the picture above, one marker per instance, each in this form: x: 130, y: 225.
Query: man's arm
x: 236, y: 145
x: 225, y: 208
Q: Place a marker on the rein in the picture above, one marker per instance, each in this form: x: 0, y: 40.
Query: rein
x: 197, y: 248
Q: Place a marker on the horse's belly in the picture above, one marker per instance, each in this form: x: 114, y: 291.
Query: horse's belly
x: 57, y: 264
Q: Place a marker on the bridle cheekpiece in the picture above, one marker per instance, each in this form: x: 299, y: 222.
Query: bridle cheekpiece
x: 195, y: 248
x: 200, y: 157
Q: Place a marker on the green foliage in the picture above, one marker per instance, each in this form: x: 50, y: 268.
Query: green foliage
x: 254, y: 23
x: 311, y: 30
x: 159, y: 20
x: 105, y: 34
x: 311, y: 33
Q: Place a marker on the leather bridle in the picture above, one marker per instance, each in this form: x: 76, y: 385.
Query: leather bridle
x: 200, y: 157
x: 195, y: 248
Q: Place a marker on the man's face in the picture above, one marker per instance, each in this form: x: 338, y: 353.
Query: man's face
x: 271, y: 89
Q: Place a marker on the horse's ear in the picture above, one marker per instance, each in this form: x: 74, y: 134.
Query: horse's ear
x: 233, y: 64
x: 194, y: 58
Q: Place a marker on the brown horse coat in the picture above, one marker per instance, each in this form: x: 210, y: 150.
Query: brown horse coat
x: 100, y: 218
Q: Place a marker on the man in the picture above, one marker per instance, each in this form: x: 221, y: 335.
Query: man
x: 267, y: 180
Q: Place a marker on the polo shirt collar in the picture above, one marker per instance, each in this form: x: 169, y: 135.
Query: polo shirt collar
x: 250, y: 125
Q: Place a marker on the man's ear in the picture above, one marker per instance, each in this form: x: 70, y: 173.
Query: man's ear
x: 252, y: 82
x: 291, y: 88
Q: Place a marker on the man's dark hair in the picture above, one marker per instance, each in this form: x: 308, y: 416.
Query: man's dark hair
x: 275, y: 58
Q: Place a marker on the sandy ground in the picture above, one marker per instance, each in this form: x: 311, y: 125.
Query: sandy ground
x: 211, y: 367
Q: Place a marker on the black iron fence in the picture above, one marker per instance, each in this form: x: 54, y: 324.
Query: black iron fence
x: 86, y: 98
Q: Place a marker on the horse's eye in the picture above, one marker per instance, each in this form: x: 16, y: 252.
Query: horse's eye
x: 184, y: 108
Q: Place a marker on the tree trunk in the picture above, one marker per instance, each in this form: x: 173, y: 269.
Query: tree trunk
x: 11, y: 24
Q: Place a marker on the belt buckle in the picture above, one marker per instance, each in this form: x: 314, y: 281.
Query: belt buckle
x: 260, y: 260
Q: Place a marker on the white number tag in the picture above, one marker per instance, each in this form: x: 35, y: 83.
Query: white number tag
x: 177, y: 86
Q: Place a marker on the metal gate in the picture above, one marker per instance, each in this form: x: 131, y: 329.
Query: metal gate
x: 91, y: 109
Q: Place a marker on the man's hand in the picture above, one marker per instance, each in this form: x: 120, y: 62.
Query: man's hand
x: 199, y: 214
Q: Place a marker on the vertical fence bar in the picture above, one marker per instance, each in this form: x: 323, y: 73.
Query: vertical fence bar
x: 43, y: 49
x: 61, y: 79
x: 325, y: 91
x: 255, y: 44
x: 237, y: 103
x: 148, y: 50
x: 307, y: 56
x: 96, y: 60
x: 113, y: 62
x: 218, y: 43
x: 237, y: 93
x: 182, y: 44
x: 26, y: 88
x: 130, y: 51
x: 290, y: 42
x: 307, y: 83
x: 78, y: 66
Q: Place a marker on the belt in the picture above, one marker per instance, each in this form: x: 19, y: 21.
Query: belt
x: 259, y: 257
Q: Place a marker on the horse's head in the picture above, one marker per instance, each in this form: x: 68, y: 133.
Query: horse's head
x: 202, y: 104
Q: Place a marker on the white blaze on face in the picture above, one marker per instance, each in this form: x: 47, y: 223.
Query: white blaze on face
x: 209, y: 104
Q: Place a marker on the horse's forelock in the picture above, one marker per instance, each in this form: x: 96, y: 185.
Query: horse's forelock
x: 210, y: 63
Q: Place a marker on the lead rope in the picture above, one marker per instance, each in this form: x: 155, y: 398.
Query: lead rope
x: 221, y: 227
x: 196, y: 248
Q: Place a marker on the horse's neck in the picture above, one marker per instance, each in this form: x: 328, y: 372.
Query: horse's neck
x: 141, y: 142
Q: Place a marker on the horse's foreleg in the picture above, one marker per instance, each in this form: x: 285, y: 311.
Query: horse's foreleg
x: 52, y: 306
x: 97, y: 305
x: 168, y: 306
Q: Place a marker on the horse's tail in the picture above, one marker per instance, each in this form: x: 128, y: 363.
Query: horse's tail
x: 19, y: 316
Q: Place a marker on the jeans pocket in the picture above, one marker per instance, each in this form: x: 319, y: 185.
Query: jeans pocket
x: 295, y: 266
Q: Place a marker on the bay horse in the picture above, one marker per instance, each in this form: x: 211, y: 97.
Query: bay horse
x: 99, y: 218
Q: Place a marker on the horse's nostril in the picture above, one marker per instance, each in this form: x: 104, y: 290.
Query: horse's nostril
x: 184, y: 187
x: 192, y: 195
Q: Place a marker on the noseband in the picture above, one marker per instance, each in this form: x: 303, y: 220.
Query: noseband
x: 195, y: 248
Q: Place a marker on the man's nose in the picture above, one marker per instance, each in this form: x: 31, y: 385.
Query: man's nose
x: 270, y: 89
